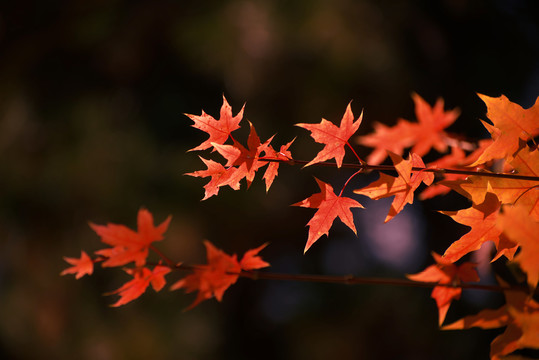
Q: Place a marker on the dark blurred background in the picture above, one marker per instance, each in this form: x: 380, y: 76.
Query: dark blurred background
x: 92, y: 97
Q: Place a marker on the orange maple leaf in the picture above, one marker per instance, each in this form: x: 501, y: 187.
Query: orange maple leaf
x: 385, y: 138
x: 431, y: 123
x: 482, y: 219
x: 335, y: 138
x: 128, y: 245
x: 81, y: 266
x: 525, y: 162
x: 421, y: 136
x: 520, y: 315
x: 219, y: 274
x: 453, y: 160
x: 220, y: 176
x: 512, y: 124
x: 445, y: 272
x: 523, y: 230
x: 142, y: 278
x: 402, y: 187
x: 330, y: 206
x: 219, y: 130
x: 457, y: 159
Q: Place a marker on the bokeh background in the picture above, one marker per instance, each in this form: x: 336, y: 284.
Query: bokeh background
x: 92, y: 97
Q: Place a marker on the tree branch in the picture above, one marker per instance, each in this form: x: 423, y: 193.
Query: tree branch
x: 392, y: 168
x: 357, y: 280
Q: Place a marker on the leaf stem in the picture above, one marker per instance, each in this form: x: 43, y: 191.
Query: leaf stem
x: 347, y: 181
x: 171, y: 264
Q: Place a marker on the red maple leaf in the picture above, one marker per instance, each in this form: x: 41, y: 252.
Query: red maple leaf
x: 251, y: 260
x: 82, y: 266
x: 220, y: 176
x: 387, y: 138
x: 421, y: 136
x: 402, y: 187
x: 142, y: 278
x: 219, y: 274
x: 335, y: 138
x: 247, y: 161
x: 330, y: 206
x: 520, y: 315
x: 219, y: 130
x: 273, y: 167
x: 431, y: 123
x: 128, y: 245
x: 445, y: 272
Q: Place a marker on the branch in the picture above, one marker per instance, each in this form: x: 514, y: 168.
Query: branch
x: 356, y: 280
x: 440, y: 171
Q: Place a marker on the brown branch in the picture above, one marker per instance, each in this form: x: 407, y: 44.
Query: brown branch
x: 367, y: 167
x: 357, y: 280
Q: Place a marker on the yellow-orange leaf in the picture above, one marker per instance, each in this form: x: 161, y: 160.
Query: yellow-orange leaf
x: 520, y: 315
x: 523, y: 230
x: 445, y: 272
x: 482, y: 219
x: 525, y: 162
x: 512, y: 124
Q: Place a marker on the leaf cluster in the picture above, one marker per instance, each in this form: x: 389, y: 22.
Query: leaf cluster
x: 504, y: 205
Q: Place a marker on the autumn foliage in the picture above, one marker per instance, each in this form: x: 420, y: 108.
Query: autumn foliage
x: 504, y: 206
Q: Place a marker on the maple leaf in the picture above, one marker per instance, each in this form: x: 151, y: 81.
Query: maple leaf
x: 431, y: 123
x: 520, y: 315
x: 402, y: 187
x: 81, y: 266
x: 220, y: 176
x: 395, y: 139
x: 251, y: 260
x: 219, y: 130
x: 451, y: 160
x: 482, y: 218
x: 457, y: 159
x: 445, y: 272
x: 273, y: 167
x: 523, y: 230
x: 142, y: 278
x: 335, y: 138
x: 330, y: 206
x: 511, y: 124
x: 422, y: 136
x: 128, y: 245
x: 222, y: 271
x: 525, y: 162
x: 246, y: 160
